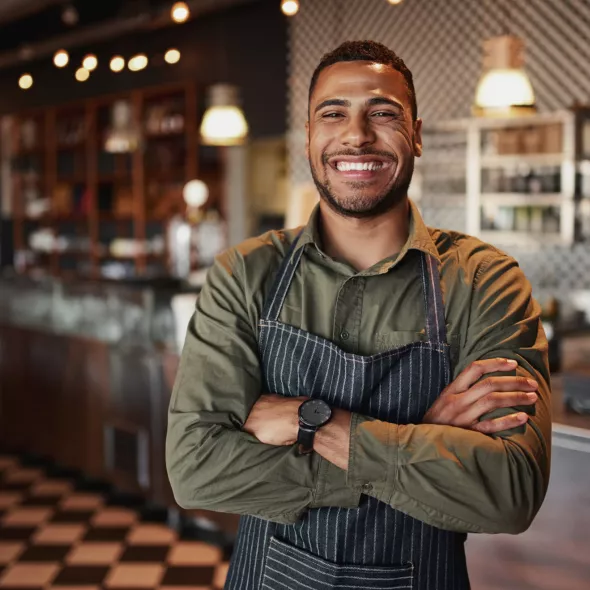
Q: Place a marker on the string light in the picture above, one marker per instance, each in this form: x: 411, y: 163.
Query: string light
x: 61, y: 58
x: 290, y: 7
x: 90, y: 62
x: 82, y: 74
x: 138, y: 62
x: 180, y: 12
x: 25, y: 81
x: 172, y: 56
x: 117, y: 64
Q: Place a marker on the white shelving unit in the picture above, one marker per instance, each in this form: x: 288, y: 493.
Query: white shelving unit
x: 521, y: 181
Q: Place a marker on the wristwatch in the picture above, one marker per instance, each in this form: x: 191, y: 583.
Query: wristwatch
x: 313, y: 414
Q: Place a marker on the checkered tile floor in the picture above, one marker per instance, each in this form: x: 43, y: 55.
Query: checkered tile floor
x: 55, y: 534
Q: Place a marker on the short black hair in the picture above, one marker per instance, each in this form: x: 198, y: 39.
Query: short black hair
x: 367, y: 51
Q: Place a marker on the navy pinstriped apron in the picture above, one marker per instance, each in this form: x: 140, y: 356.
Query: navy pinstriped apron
x: 372, y: 546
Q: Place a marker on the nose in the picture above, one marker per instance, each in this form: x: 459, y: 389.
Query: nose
x: 358, y: 132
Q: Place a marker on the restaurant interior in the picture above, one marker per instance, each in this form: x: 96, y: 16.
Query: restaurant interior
x: 141, y: 138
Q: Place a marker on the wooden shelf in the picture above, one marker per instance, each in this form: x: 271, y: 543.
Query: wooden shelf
x: 516, y: 238
x: 168, y: 135
x: 523, y: 199
x: 500, y: 161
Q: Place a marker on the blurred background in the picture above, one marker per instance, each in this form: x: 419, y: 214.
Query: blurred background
x: 139, y: 138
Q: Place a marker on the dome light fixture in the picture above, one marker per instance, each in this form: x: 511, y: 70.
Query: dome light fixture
x: 117, y: 64
x: 180, y: 12
x: 172, y: 56
x: 138, y: 62
x: 25, y: 81
x: 224, y: 123
x: 90, y: 62
x: 290, y: 7
x: 61, y: 58
x: 82, y: 74
x: 504, y: 89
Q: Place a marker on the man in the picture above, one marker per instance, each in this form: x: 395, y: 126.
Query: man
x: 368, y: 390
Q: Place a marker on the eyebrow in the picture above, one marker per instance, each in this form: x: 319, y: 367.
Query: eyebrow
x: 339, y: 102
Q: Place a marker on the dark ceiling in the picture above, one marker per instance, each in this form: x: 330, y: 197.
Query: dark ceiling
x: 46, y: 20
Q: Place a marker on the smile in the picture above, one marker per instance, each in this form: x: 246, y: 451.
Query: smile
x: 361, y: 167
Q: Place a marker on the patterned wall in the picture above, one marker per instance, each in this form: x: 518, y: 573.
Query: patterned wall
x: 440, y: 41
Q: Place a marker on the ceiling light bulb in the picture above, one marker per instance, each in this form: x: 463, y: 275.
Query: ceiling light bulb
x: 172, y: 56
x: 138, y: 62
x: 70, y: 15
x: 117, y: 64
x: 61, y: 58
x: 180, y: 12
x: 395, y: 1
x: 82, y: 74
x: 25, y: 81
x: 290, y: 7
x: 90, y: 62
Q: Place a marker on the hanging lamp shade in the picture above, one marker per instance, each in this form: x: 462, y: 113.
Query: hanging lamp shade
x: 223, y: 123
x: 504, y: 88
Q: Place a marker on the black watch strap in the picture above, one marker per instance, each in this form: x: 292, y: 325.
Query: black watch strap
x: 305, y: 439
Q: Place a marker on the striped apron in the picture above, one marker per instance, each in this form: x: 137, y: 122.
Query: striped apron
x: 373, y: 546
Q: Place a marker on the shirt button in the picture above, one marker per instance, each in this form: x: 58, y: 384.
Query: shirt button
x: 366, y: 488
x: 344, y: 335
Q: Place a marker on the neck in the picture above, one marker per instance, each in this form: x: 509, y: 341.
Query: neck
x: 362, y: 243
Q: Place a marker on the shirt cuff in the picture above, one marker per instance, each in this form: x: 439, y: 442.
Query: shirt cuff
x: 332, y: 489
x: 373, y: 457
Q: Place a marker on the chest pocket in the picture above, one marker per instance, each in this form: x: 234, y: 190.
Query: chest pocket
x: 389, y: 340
x: 290, y: 567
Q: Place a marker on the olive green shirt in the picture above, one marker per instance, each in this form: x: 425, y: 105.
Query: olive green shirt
x: 448, y: 477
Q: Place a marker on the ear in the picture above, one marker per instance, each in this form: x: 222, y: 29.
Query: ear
x: 307, y: 139
x: 418, y: 138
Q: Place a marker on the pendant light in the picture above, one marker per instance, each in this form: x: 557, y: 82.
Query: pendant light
x: 504, y: 89
x: 290, y: 7
x: 223, y: 123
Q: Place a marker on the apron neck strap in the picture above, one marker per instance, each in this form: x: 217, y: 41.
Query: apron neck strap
x: 276, y: 297
x: 434, y: 312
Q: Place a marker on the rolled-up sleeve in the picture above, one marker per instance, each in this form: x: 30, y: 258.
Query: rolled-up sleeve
x: 458, y: 479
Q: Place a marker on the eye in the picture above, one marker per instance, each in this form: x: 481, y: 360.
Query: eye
x: 382, y: 114
x: 332, y: 115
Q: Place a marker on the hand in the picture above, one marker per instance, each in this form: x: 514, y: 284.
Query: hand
x: 274, y: 420
x: 462, y: 403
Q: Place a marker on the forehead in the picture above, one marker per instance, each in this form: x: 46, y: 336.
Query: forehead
x: 358, y: 79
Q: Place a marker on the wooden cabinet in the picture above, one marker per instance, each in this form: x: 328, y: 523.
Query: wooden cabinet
x: 96, y: 182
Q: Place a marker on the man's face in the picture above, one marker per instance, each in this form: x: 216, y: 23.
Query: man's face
x: 361, y: 140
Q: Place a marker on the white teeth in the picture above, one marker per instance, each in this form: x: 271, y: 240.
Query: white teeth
x: 347, y: 166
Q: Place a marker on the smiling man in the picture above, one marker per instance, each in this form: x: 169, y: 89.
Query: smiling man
x: 364, y: 390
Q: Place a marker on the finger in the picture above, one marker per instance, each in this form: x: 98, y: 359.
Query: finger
x: 495, y: 401
x: 499, y: 424
x: 494, y: 385
x: 476, y: 370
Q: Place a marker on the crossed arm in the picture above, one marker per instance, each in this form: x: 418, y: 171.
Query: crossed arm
x: 449, y: 473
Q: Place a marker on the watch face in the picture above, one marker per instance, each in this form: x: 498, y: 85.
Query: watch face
x: 315, y: 412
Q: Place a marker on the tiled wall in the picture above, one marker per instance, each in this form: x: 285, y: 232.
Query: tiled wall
x: 440, y: 40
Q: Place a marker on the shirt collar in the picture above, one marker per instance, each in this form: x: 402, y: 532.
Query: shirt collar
x: 419, y: 238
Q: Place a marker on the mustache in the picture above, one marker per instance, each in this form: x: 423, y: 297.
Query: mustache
x: 356, y: 153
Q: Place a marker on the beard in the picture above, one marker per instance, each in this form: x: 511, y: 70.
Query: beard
x: 357, y: 203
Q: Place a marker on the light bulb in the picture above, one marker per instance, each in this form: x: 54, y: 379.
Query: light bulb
x: 195, y: 193
x: 90, y: 62
x: 25, y: 81
x: 172, y: 56
x: 395, y: 1
x: 61, y: 58
x: 138, y: 62
x: 117, y: 63
x: 82, y: 74
x: 290, y: 7
x: 180, y: 12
